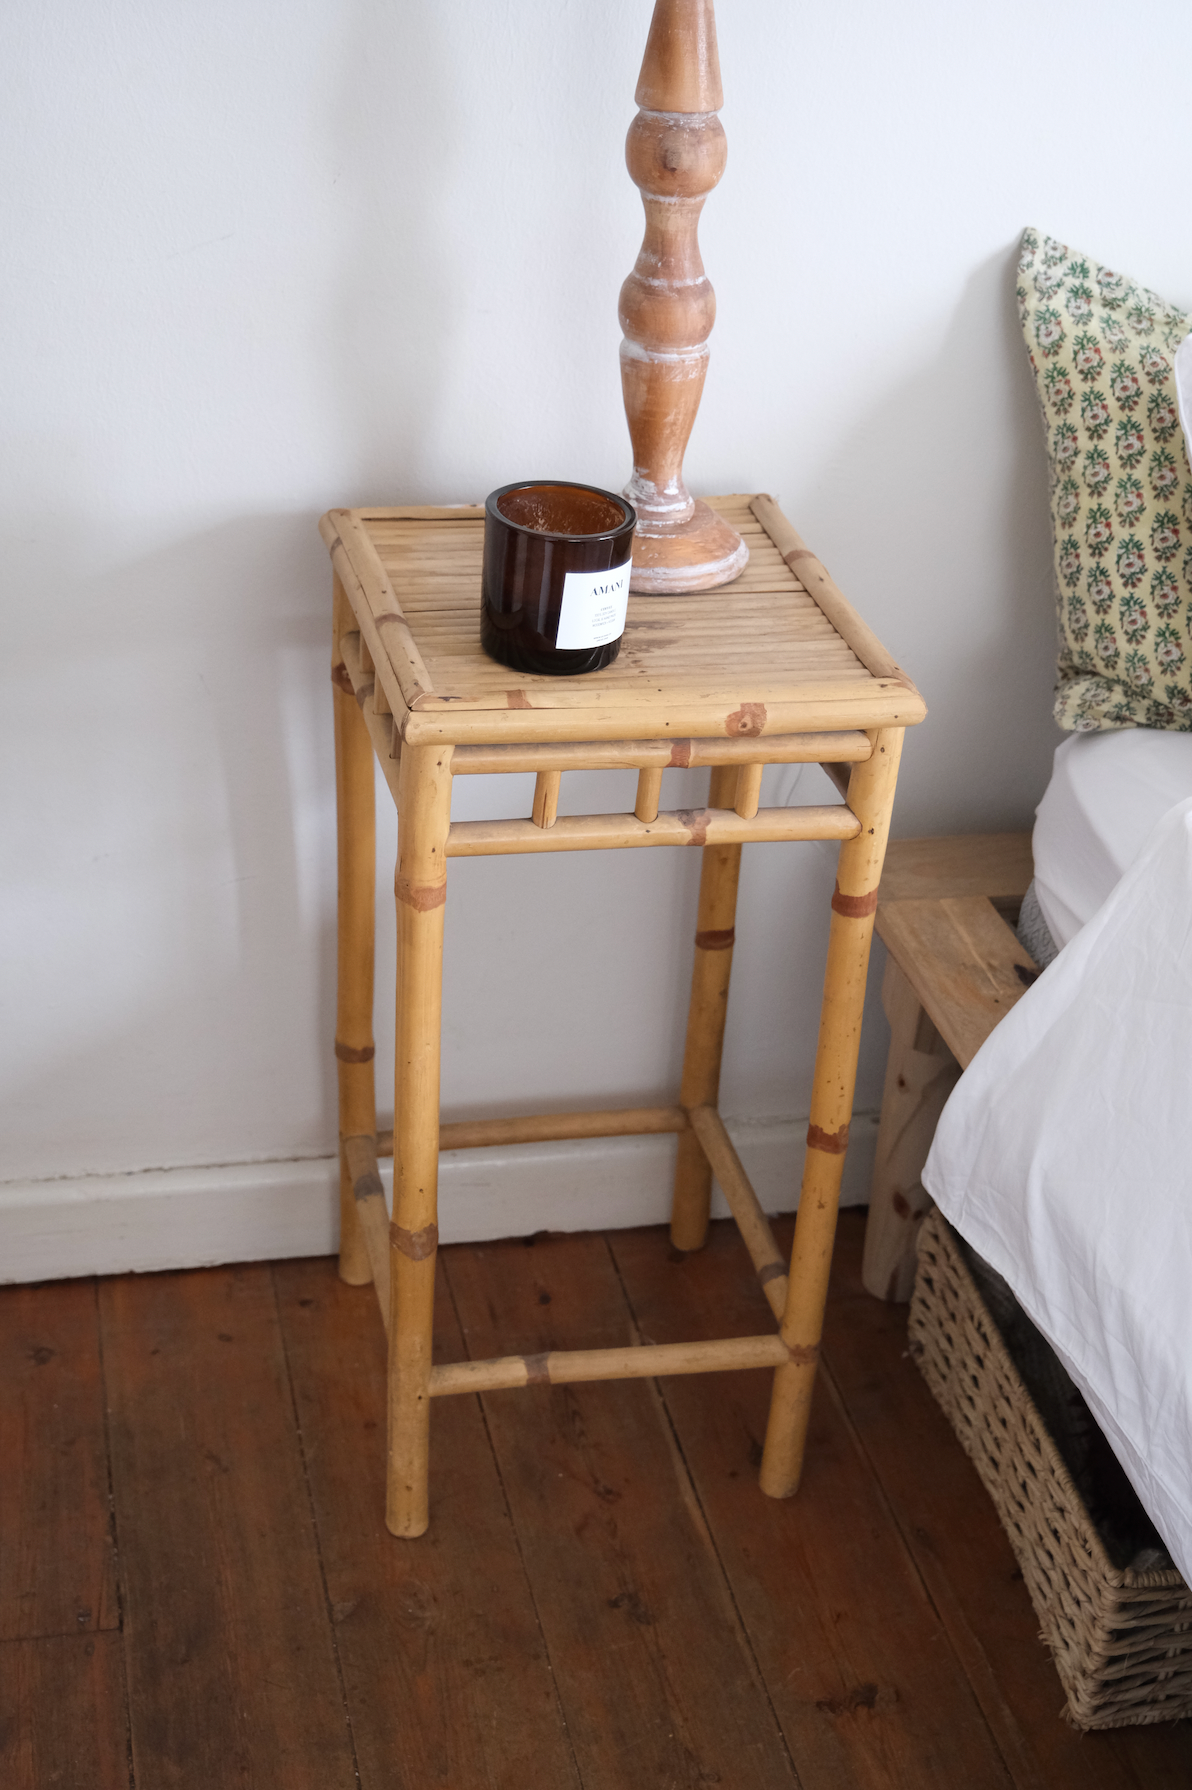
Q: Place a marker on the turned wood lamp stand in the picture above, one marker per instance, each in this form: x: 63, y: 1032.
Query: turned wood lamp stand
x: 789, y: 675
x: 675, y: 152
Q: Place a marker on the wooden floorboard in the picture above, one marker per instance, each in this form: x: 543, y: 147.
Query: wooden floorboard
x: 604, y: 1601
x: 63, y: 1719
x: 869, y: 1692
x: 654, y: 1671
x: 57, y: 1564
x: 444, y: 1664
x: 231, y: 1667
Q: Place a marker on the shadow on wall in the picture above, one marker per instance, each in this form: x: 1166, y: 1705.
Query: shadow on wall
x: 970, y: 490
x: 468, y: 244
x: 179, y: 911
x: 387, y: 389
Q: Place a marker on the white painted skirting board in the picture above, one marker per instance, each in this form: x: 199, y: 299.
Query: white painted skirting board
x: 261, y: 1211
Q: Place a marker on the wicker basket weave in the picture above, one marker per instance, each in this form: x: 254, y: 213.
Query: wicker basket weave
x: 1121, y: 1640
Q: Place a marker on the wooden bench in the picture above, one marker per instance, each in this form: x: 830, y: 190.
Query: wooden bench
x: 946, y: 909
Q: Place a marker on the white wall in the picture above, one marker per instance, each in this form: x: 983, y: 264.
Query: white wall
x: 263, y: 258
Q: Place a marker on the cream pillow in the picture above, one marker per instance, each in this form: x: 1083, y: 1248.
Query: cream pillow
x: 1102, y: 351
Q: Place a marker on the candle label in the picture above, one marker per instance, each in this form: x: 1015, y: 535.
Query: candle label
x: 593, y: 608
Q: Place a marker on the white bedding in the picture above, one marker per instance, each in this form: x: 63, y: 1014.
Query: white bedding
x: 1065, y: 1157
x: 1107, y: 791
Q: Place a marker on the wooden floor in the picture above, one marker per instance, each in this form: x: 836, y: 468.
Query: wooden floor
x: 196, y: 1587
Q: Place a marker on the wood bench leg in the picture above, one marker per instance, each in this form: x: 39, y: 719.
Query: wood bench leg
x: 424, y: 815
x: 871, y: 796
x: 920, y: 1074
x: 356, y: 820
x: 706, y: 1013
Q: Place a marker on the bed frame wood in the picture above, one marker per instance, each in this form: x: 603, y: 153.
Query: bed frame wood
x: 955, y: 969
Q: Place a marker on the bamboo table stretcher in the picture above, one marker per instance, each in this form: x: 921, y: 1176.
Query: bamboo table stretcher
x: 776, y: 668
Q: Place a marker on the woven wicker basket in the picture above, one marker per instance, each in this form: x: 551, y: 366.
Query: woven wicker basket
x: 1121, y: 1640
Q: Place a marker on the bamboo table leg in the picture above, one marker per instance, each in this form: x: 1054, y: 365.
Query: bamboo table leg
x: 424, y: 815
x: 355, y: 808
x: 706, y: 1013
x: 871, y: 797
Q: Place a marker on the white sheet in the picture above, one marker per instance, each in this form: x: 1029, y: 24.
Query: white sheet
x: 1107, y: 791
x: 1065, y: 1157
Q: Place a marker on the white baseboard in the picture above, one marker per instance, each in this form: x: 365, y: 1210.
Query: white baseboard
x: 262, y: 1211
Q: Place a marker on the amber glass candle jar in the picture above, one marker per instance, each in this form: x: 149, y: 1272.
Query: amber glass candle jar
x: 557, y: 562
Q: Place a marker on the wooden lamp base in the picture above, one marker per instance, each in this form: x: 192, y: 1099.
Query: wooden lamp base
x: 693, y: 555
x: 675, y: 153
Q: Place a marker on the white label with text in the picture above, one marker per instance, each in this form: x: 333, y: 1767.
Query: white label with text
x: 594, y: 606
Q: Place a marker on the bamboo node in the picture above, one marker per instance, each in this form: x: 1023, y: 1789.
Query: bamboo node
x: 854, y: 907
x: 368, y: 1186
x: 771, y: 1271
x: 517, y: 699
x: 695, y: 820
x: 748, y: 721
x: 422, y: 897
x: 347, y: 1053
x: 417, y: 1245
x: 341, y: 680
x: 832, y: 1143
x: 537, y: 1370
x: 365, y: 691
x: 803, y: 1354
x: 681, y: 754
x: 716, y: 941
x: 798, y: 553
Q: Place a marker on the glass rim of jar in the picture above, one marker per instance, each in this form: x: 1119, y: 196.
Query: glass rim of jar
x: 545, y: 534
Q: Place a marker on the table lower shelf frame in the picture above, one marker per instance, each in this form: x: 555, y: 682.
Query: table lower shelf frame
x: 635, y: 1361
x: 398, y: 1256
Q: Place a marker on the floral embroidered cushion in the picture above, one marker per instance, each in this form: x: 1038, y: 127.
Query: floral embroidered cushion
x: 1101, y: 350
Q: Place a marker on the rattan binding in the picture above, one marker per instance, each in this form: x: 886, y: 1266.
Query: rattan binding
x: 1121, y: 1640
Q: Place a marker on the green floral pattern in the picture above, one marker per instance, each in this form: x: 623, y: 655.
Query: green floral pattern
x: 1101, y: 349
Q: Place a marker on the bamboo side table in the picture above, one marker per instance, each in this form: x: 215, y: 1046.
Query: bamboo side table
x: 775, y: 669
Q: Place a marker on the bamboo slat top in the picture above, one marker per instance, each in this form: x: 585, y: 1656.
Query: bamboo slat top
x: 768, y: 653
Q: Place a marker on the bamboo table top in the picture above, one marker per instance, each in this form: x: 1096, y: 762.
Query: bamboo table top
x: 778, y: 651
